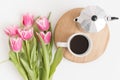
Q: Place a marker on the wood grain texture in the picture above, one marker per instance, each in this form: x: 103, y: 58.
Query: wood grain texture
x: 66, y: 27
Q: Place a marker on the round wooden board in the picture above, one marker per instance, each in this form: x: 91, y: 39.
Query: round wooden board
x: 66, y: 27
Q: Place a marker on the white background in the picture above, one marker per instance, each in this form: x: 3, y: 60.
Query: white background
x: 107, y: 67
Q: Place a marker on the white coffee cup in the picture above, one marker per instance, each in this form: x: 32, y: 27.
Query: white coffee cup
x: 79, y: 44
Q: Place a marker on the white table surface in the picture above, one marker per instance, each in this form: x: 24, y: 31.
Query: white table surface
x: 107, y: 67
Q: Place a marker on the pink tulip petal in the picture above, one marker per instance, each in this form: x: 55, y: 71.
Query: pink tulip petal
x: 46, y: 23
x: 16, y: 44
x: 43, y: 24
x: 42, y: 34
x: 47, y: 37
x: 26, y: 34
x: 12, y: 30
x: 28, y: 20
x: 39, y: 24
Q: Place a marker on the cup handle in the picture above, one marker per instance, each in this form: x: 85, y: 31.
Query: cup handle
x: 61, y: 44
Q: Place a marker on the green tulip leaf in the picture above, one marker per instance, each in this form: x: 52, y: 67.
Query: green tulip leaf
x: 45, y: 54
x: 45, y: 57
x: 49, y: 15
x: 27, y: 68
x: 57, y: 59
x: 13, y: 58
x: 33, y: 57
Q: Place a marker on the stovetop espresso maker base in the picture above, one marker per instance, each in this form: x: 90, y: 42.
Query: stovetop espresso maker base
x: 66, y: 26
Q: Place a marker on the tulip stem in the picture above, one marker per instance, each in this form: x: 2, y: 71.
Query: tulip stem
x: 17, y: 55
x: 1, y: 62
x: 28, y: 55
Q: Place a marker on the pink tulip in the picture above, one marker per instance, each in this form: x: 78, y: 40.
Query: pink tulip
x: 46, y: 37
x: 43, y: 24
x: 26, y: 34
x: 28, y: 20
x: 16, y: 44
x: 12, y: 30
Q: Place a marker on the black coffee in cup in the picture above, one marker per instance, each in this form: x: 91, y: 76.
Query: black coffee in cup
x: 79, y: 44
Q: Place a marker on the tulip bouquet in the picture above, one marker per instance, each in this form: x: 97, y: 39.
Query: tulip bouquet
x: 31, y: 45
